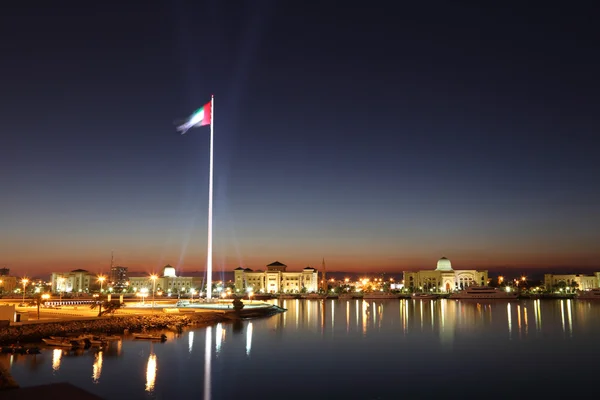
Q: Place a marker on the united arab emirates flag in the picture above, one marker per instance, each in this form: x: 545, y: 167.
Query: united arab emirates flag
x: 201, y: 117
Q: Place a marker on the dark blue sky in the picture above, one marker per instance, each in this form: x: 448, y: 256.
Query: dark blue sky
x: 380, y: 138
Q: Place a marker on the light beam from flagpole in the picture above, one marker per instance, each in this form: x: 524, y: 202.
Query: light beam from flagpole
x: 210, y: 204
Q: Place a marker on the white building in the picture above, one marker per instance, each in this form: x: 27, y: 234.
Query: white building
x: 76, y: 281
x: 167, y: 282
x: 444, y: 278
x: 276, y: 280
x: 576, y: 281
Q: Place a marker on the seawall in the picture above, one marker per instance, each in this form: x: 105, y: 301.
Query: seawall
x: 34, y: 332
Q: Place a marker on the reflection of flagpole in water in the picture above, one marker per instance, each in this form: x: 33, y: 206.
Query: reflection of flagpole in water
x: 190, y: 341
x: 207, y: 363
x: 219, y: 337
x: 509, y: 321
x: 249, y: 338
x: 97, y: 367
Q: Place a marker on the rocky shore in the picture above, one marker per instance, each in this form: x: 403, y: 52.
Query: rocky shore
x: 34, y: 332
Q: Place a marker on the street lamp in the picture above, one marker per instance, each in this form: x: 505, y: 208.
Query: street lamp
x: 61, y: 283
x: 154, y: 277
x: 24, y: 281
x: 101, y: 279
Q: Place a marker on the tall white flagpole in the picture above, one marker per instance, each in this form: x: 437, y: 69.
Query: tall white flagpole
x: 210, y: 204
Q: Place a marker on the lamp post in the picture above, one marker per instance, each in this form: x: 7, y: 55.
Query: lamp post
x: 61, y: 283
x: 101, y: 279
x: 24, y: 281
x: 154, y: 278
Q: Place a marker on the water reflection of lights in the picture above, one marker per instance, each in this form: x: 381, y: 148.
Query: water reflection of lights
x: 562, y: 314
x: 509, y: 321
x: 332, y: 314
x: 570, y: 317
x: 219, y: 337
x: 525, y: 319
x: 56, y: 357
x: 249, y: 338
x: 519, y: 319
x: 207, y: 363
x: 97, y: 367
x: 347, y: 316
x: 151, y: 369
x: 365, y: 310
x: 190, y: 341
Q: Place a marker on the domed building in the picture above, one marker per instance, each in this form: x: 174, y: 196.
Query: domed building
x: 167, y: 282
x: 443, y: 278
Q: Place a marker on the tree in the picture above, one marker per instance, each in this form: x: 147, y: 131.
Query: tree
x: 110, y: 307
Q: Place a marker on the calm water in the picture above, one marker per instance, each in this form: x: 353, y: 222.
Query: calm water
x: 380, y: 349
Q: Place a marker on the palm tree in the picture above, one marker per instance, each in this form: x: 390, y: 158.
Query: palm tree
x: 109, y: 307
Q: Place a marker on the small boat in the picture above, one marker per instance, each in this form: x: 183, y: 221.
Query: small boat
x: 148, y: 336
x: 592, y: 294
x: 345, y: 296
x: 288, y: 296
x: 424, y: 296
x: 380, y: 296
x: 59, y: 343
x: 111, y: 337
x: 484, y: 292
x: 314, y: 296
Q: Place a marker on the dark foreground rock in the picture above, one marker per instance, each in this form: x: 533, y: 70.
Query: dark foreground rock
x: 52, y: 391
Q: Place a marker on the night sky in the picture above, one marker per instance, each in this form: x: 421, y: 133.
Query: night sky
x: 380, y: 138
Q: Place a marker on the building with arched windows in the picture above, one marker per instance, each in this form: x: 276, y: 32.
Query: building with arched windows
x: 444, y: 278
x: 276, y: 279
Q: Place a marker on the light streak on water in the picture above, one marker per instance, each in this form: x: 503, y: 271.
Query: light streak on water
x: 207, y: 363
x: 151, y: 369
x: 97, y: 367
x: 570, y: 317
x: 562, y: 314
x: 509, y: 321
x: 56, y: 357
x: 218, y: 337
x: 249, y: 338
x: 190, y: 341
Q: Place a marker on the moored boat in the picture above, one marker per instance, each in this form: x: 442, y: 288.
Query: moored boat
x: 314, y: 296
x: 484, y: 292
x: 592, y: 294
x: 424, y: 296
x: 59, y: 343
x: 148, y: 336
x: 380, y: 295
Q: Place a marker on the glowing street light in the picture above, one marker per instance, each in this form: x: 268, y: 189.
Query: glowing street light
x: 24, y: 281
x: 153, y: 277
x: 101, y: 279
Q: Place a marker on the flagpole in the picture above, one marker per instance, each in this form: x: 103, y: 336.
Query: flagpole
x: 210, y: 204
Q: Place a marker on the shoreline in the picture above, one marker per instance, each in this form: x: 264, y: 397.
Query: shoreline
x: 116, y: 324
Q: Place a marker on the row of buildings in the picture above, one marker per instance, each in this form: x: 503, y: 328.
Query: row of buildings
x: 275, y: 278
x: 82, y: 281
